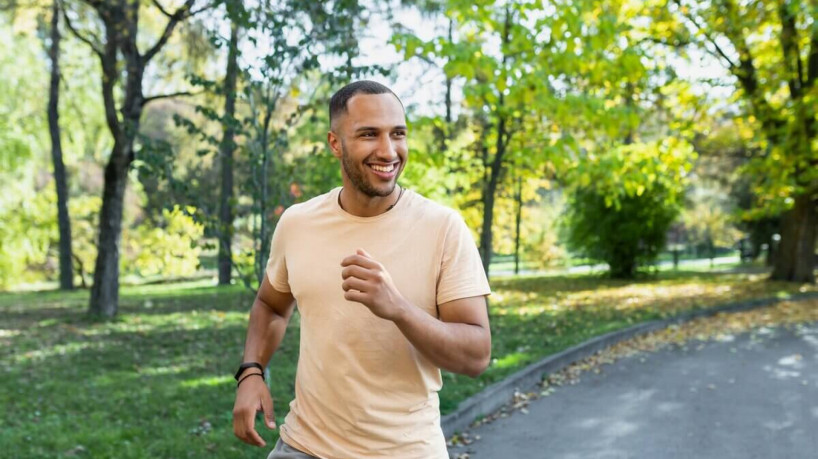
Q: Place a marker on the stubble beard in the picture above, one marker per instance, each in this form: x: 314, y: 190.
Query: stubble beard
x: 356, y: 175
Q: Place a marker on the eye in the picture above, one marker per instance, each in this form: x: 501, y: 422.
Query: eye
x: 368, y: 134
x: 399, y: 134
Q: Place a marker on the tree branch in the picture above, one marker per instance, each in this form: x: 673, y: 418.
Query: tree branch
x: 678, y: 43
x: 94, y: 46
x: 177, y: 16
x: 720, y: 52
x: 161, y: 8
x: 146, y: 100
x: 747, y: 76
x: 202, y: 9
x: 812, y: 63
x: 789, y: 46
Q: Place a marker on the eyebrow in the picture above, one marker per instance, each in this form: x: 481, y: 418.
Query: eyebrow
x: 374, y: 128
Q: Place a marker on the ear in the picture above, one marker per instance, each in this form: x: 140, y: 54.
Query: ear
x: 334, y: 144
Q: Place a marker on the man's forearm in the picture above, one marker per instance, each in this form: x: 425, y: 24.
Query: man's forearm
x: 456, y: 347
x: 264, y: 333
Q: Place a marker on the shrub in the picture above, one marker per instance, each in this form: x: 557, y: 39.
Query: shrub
x: 624, y: 236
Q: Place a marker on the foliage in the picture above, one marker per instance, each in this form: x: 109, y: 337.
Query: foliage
x: 624, y: 236
x: 542, y: 82
x: 26, y: 235
x: 280, y: 92
x: 170, y: 250
x: 28, y: 239
x: 84, y: 211
x: 625, y: 201
x: 566, y: 94
x: 709, y: 224
x: 540, y: 232
x: 770, y: 51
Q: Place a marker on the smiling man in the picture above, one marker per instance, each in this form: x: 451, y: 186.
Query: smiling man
x: 390, y: 290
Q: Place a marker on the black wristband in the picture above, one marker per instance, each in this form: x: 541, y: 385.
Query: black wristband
x: 247, y: 365
x: 247, y: 376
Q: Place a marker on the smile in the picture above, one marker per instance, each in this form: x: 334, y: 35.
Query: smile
x: 378, y: 168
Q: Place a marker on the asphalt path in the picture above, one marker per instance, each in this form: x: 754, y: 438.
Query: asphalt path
x: 752, y: 396
x: 699, y: 263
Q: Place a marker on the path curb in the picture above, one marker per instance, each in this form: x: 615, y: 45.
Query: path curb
x: 500, y: 393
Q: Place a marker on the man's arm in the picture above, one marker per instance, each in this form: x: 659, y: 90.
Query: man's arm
x: 269, y: 316
x: 460, y: 341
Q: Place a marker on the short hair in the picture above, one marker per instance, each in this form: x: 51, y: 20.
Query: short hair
x: 338, y: 102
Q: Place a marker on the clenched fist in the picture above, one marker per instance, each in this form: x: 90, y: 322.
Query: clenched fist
x: 367, y: 282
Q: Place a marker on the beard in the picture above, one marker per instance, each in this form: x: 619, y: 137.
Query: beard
x: 357, y: 176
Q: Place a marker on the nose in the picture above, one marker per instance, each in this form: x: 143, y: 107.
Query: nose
x: 387, y: 150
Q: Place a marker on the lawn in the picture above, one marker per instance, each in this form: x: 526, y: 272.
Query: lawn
x: 157, y: 381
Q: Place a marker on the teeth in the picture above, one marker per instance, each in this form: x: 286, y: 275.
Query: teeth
x: 383, y: 168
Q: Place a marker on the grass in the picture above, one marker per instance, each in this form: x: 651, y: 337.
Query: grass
x: 156, y: 382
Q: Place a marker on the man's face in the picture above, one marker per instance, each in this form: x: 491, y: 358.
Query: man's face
x: 370, y: 140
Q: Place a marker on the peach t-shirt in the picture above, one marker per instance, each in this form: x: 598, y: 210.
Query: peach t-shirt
x: 362, y: 390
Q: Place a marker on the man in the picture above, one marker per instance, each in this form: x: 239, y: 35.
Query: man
x: 390, y: 289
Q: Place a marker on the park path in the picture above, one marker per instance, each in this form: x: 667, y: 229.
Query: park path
x: 695, y: 264
x: 753, y: 395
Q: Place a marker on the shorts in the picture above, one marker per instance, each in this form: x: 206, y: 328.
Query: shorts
x: 285, y: 451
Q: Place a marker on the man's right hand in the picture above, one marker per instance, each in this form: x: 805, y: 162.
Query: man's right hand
x: 252, y: 396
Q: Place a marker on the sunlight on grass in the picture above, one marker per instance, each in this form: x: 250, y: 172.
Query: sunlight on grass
x: 665, y: 296
x: 208, y: 381
x: 165, y: 370
x: 176, y: 321
x: 60, y: 350
x: 5, y: 333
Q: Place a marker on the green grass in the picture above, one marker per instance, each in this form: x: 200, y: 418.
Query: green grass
x: 156, y: 382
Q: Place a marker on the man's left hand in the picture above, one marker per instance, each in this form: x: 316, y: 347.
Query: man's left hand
x: 366, y: 281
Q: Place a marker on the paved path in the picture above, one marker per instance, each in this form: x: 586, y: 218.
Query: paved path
x: 753, y: 397
x: 698, y: 263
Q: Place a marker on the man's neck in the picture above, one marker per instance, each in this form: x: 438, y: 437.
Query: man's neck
x: 360, y: 204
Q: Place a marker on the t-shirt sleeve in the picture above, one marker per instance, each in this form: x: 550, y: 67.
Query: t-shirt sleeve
x: 277, y: 263
x: 461, y: 270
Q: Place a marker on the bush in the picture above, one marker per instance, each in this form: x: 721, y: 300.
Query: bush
x: 624, y: 236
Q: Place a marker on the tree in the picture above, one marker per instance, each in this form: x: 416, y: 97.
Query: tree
x: 501, y: 87
x: 709, y: 224
x: 227, y: 147
x: 60, y: 180
x: 624, y: 236
x: 622, y: 209
x: 543, y: 81
x: 770, y: 48
x: 123, y: 69
x: 276, y: 94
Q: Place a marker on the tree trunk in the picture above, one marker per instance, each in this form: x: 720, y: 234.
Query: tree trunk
x: 490, y: 190
x: 121, y: 23
x: 517, y: 224
x: 795, y: 256
x: 485, y: 234
x: 226, y: 150
x: 711, y: 251
x: 60, y: 179
x: 105, y: 290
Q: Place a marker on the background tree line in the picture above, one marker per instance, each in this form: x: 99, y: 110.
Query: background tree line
x: 164, y: 138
